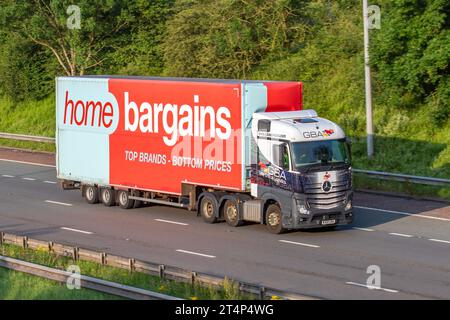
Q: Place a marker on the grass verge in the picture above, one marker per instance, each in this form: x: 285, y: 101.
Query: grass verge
x: 28, y: 145
x: 229, y: 290
x: 15, y: 285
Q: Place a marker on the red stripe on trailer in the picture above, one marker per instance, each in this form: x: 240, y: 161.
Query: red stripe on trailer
x: 284, y: 96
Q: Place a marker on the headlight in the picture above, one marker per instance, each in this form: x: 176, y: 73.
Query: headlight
x: 302, y: 209
x: 302, y: 206
x: 349, y: 205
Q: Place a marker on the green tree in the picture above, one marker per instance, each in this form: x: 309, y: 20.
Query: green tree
x: 105, y: 27
x: 411, y: 52
x: 25, y: 69
x: 227, y: 38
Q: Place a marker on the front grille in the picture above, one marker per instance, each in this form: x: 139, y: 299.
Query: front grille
x: 319, y: 199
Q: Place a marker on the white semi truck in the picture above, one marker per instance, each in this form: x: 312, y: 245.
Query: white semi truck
x: 229, y: 149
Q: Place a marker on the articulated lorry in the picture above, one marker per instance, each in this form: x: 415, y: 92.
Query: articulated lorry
x: 228, y: 149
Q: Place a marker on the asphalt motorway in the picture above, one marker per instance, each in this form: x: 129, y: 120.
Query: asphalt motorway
x: 407, y: 239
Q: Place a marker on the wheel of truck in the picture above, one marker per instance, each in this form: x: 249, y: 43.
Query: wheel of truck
x: 138, y: 203
x: 124, y: 201
x: 91, y: 194
x: 273, y: 219
x: 231, y: 213
x: 208, y: 209
x: 108, y: 197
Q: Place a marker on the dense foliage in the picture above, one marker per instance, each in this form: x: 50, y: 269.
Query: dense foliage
x: 318, y: 42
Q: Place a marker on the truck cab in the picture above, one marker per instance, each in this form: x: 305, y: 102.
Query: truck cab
x: 300, y: 170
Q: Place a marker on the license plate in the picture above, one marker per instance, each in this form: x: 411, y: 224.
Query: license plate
x: 327, y: 222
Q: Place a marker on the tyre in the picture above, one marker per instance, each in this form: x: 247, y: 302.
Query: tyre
x: 124, y: 201
x: 108, y: 197
x: 138, y: 203
x: 273, y: 219
x: 231, y: 213
x: 208, y: 209
x: 91, y: 194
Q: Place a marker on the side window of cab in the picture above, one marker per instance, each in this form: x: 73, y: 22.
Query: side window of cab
x: 281, y: 156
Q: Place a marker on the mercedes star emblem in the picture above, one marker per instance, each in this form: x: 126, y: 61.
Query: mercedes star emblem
x: 326, y: 186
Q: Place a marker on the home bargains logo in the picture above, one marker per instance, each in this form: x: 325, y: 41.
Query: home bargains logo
x: 172, y: 120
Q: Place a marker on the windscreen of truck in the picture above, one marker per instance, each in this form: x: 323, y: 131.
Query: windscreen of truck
x: 317, y: 153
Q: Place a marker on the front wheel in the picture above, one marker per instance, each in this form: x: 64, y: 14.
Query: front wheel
x: 273, y: 219
x: 124, y: 200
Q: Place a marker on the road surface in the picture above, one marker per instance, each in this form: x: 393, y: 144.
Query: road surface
x: 408, y: 239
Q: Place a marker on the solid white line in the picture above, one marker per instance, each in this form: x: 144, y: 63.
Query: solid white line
x: 31, y: 163
x: 401, y: 234
x: 76, y: 230
x: 56, y: 202
x: 29, y: 179
x: 372, y: 287
x: 404, y: 213
x: 173, y: 222
x: 364, y: 229
x: 300, y: 244
x: 195, y: 253
x: 7, y: 176
x: 52, y: 182
x: 437, y: 240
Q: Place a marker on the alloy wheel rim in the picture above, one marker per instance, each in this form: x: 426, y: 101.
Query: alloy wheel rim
x: 274, y: 219
x: 232, y: 212
x: 123, y: 198
x: 90, y: 193
x: 208, y: 209
x: 106, y: 196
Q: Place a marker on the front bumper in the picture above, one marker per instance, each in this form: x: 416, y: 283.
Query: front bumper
x: 319, y: 218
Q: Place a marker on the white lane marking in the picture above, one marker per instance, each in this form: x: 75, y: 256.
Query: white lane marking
x: 56, y: 202
x: 7, y: 176
x: 173, y: 222
x: 31, y: 163
x: 300, y: 243
x: 364, y: 229
x: 29, y: 179
x: 437, y: 240
x: 76, y: 230
x: 195, y: 253
x: 371, y: 287
x: 52, y: 182
x: 400, y: 234
x: 404, y: 213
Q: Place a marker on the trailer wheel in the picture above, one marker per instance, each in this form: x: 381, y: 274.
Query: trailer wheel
x: 124, y: 201
x: 208, y: 209
x: 231, y: 213
x: 273, y: 219
x: 91, y: 194
x: 108, y: 197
